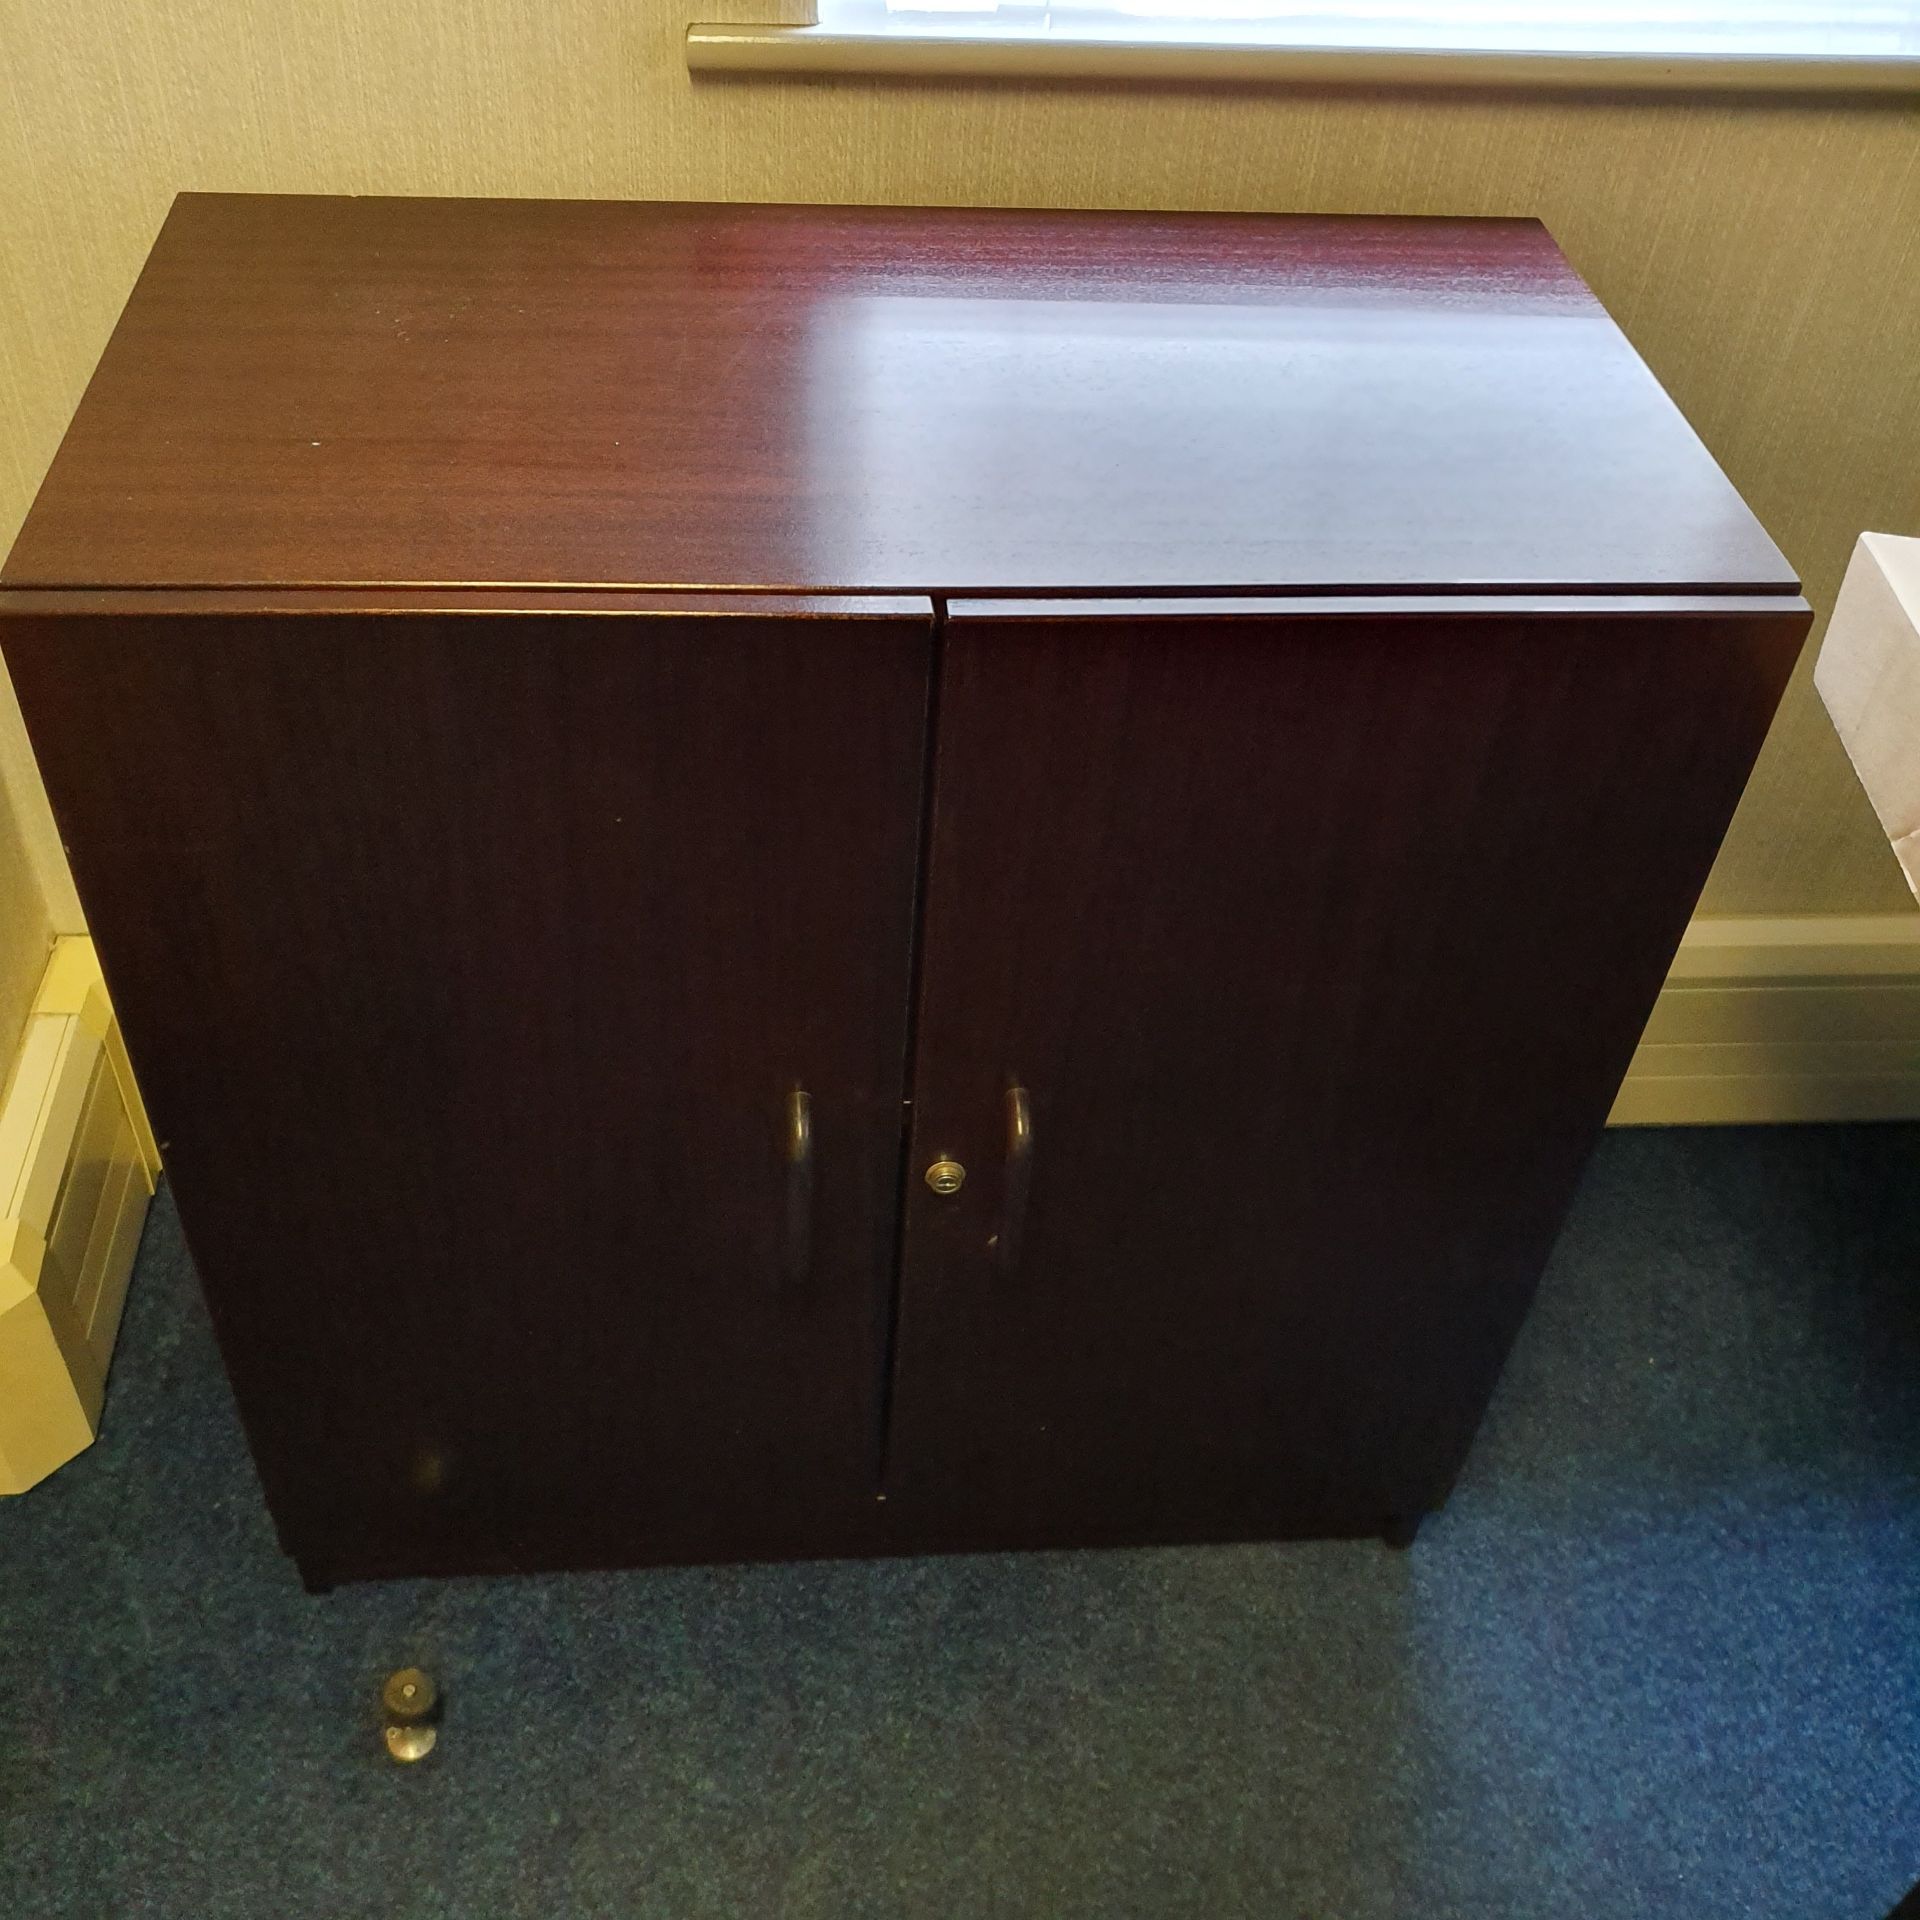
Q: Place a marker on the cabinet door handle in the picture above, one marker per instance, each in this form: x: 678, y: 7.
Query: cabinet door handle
x: 799, y: 1234
x: 1013, y: 1186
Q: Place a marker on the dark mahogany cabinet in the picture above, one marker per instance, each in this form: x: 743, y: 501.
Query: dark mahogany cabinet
x: 797, y: 881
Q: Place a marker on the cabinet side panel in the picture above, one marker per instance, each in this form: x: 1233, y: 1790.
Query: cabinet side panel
x: 469, y: 964
x: 1320, y: 944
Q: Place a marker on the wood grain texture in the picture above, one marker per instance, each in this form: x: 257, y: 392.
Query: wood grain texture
x: 484, y: 951
x: 1320, y: 940
x: 467, y: 962
x: 322, y: 391
x: 1760, y: 254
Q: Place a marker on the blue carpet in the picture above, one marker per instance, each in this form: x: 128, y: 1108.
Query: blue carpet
x: 1661, y: 1656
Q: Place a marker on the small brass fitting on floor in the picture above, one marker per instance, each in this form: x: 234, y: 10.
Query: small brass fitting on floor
x: 412, y: 1706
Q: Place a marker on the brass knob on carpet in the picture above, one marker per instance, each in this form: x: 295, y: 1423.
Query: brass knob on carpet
x: 412, y: 1705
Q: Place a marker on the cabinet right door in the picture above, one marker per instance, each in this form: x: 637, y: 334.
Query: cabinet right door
x: 1281, y: 963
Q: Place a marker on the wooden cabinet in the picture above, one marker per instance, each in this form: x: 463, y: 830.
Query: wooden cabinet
x: 602, y: 745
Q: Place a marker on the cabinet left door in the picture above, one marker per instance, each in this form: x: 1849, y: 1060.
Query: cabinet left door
x: 521, y: 998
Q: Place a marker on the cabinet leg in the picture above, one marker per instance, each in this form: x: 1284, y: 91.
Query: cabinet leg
x: 1402, y: 1530
x: 313, y: 1579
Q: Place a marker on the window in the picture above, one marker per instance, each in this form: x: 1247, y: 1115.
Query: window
x: 1727, y: 27
x: 1796, y: 45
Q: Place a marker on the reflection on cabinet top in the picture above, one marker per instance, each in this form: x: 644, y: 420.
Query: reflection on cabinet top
x: 322, y: 392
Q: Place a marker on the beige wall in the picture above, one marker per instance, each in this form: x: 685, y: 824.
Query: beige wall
x: 1764, y: 256
x: 25, y: 933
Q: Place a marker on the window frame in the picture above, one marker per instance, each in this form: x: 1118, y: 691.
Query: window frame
x: 1021, y: 42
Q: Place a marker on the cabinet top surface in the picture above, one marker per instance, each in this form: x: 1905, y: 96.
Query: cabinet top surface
x: 321, y: 392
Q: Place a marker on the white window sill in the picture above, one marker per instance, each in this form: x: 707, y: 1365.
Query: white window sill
x: 1060, y: 53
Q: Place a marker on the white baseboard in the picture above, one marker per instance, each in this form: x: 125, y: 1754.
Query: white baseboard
x: 1778, y: 1021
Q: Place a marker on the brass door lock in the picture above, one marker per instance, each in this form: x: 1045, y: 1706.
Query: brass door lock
x: 946, y: 1176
